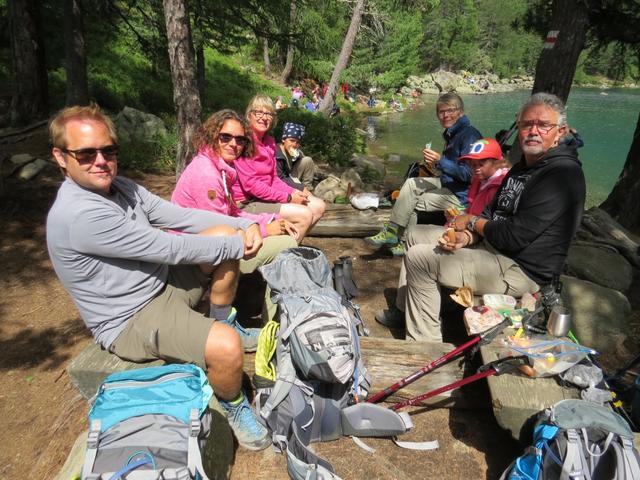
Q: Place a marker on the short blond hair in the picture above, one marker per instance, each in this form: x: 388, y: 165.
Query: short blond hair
x: 260, y: 101
x: 57, y: 127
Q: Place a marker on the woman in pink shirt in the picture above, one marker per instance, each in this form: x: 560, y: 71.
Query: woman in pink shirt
x: 207, y: 184
x: 259, y: 189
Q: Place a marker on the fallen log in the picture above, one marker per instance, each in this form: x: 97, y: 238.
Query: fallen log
x: 387, y: 360
x: 346, y: 221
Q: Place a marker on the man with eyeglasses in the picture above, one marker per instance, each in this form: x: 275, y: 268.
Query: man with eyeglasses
x: 447, y: 188
x: 136, y: 285
x: 520, y: 242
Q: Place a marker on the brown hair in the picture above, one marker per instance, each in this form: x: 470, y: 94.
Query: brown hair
x: 57, y: 127
x: 209, y: 132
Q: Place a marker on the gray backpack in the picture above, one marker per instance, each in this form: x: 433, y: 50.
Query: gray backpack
x: 578, y: 440
x: 320, y: 373
x: 149, y: 424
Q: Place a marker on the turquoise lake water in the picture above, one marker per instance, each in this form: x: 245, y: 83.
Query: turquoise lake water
x: 606, y: 120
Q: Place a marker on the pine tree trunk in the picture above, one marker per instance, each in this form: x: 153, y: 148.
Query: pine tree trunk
x: 265, y: 56
x: 29, y: 96
x: 288, y: 66
x: 623, y: 203
x: 75, y: 54
x: 183, y: 74
x: 347, y: 47
x: 557, y: 66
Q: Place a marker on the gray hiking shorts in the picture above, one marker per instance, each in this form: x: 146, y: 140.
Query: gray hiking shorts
x: 168, y: 327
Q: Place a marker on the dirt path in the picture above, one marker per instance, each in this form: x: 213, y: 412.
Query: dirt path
x: 41, y: 331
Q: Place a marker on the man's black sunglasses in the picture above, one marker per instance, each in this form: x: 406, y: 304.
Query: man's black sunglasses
x: 241, y: 140
x: 89, y: 155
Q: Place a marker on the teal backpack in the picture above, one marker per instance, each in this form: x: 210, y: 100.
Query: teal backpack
x: 150, y: 423
x: 578, y: 440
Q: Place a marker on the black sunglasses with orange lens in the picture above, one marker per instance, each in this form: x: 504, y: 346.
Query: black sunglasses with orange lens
x: 241, y: 140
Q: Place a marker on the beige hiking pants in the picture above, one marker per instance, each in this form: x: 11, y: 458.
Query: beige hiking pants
x: 303, y: 170
x: 427, y: 267
x: 421, y: 194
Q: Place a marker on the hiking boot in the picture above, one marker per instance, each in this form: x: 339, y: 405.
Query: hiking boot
x: 387, y: 236
x: 248, y: 336
x: 398, y: 250
x: 392, y: 318
x: 248, y: 431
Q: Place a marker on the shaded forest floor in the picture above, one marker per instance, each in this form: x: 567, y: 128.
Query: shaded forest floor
x: 41, y: 331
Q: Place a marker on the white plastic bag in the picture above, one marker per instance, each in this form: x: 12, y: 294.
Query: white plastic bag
x: 362, y: 201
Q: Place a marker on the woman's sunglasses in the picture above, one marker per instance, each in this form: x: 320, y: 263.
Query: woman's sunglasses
x: 241, y: 140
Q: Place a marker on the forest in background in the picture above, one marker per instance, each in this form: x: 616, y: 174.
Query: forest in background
x: 243, y: 46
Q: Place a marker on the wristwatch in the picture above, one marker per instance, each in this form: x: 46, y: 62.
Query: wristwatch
x: 289, y: 198
x: 471, y: 226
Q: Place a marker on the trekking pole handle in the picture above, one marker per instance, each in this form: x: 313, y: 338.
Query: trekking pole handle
x: 507, y: 364
x: 488, y: 335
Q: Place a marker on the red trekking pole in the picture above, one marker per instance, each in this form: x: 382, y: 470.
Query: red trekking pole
x: 497, y: 367
x: 484, y: 337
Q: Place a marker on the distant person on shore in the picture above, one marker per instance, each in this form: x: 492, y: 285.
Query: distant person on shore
x: 294, y: 167
x: 207, y: 184
x: 446, y: 190
x: 520, y: 242
x: 259, y: 189
x: 135, y: 285
x: 280, y: 104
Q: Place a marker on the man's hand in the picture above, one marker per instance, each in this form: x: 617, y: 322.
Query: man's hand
x: 300, y: 197
x: 462, y: 239
x: 252, y: 241
x: 461, y: 221
x: 430, y: 157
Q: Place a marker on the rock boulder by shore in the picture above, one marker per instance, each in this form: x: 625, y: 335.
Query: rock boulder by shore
x: 463, y: 82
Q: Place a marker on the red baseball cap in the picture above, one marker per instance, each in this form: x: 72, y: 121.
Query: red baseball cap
x: 483, y: 149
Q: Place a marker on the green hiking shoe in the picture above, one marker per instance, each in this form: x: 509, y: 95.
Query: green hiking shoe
x: 387, y: 236
x: 398, y: 250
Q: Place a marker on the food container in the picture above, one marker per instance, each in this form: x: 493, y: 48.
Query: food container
x: 551, y: 357
x: 499, y: 302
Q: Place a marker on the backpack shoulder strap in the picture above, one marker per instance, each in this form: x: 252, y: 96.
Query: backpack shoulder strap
x: 627, y: 466
x: 194, y: 456
x: 575, y: 465
x: 92, y: 448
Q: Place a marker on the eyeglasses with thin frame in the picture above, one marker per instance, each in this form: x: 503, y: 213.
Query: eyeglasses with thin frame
x: 543, y: 127
x: 86, y: 156
x: 241, y: 140
x: 262, y: 113
x: 448, y: 111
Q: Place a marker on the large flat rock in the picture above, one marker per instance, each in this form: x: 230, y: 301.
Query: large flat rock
x: 516, y: 399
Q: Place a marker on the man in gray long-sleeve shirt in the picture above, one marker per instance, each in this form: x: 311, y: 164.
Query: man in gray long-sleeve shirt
x: 135, y: 284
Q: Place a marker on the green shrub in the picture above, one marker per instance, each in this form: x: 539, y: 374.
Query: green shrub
x: 158, y: 155
x: 333, y: 140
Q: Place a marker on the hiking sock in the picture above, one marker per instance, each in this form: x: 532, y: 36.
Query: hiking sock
x: 219, y: 312
x: 236, y: 401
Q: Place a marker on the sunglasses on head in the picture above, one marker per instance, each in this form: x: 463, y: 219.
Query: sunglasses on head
x: 241, y: 140
x: 89, y: 155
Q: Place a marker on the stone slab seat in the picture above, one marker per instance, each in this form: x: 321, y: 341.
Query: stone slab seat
x: 516, y: 399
